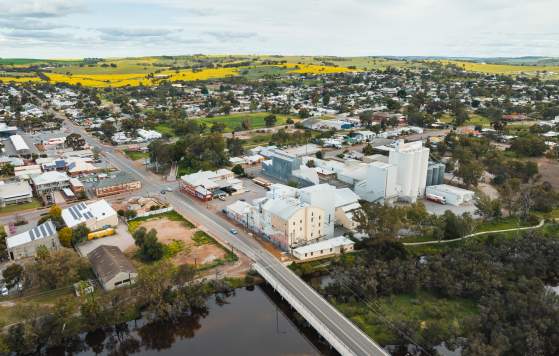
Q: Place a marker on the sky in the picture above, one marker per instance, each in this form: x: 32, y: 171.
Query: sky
x: 118, y: 28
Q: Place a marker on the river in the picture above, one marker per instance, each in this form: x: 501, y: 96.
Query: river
x: 249, y: 321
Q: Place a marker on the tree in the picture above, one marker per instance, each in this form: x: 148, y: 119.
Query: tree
x: 58, y: 269
x: 65, y: 236
x: 13, y: 275
x: 238, y: 170
x: 55, y: 212
x: 487, y: 208
x: 139, y: 236
x: 368, y: 150
x: 75, y: 141
x: 80, y: 234
x: 270, y: 120
x: 529, y: 145
x: 108, y: 129
x: 151, y: 249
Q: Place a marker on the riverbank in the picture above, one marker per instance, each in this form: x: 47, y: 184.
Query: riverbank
x: 162, y: 293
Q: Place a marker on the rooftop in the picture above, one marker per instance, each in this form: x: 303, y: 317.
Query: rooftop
x: 108, y: 262
x: 82, y: 212
x: 324, y: 245
x: 46, y: 229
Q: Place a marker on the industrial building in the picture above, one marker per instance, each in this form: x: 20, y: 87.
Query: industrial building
x: 324, y: 248
x: 290, y: 217
x: 452, y: 195
x: 287, y: 167
x: 205, y: 185
x: 95, y: 216
x: 111, y: 267
x: 25, y: 244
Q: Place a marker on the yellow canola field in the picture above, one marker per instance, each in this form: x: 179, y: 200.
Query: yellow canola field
x: 501, y: 68
x: 19, y: 79
x: 318, y: 69
x: 100, y: 80
x: 205, y: 74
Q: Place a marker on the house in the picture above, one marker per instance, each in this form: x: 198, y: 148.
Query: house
x: 324, y: 248
x: 118, y: 183
x: 95, y: 216
x: 76, y: 186
x: 27, y: 172
x: 148, y: 135
x: 111, y: 267
x: 6, y: 131
x: 15, y: 193
x: 49, y: 182
x: 25, y: 244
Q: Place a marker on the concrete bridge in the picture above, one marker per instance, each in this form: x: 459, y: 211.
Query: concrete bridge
x: 334, y: 327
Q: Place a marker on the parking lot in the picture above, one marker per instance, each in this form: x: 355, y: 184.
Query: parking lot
x: 122, y: 239
x: 253, y: 191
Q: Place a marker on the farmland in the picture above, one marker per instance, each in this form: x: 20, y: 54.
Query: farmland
x: 506, y: 69
x: 120, y: 72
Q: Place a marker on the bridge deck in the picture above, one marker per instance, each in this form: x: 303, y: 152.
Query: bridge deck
x: 340, y: 332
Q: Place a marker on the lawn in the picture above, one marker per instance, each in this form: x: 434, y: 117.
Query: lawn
x: 136, y: 155
x: 20, y: 207
x: 418, y: 310
x: 501, y: 224
x: 165, y: 129
x: 475, y: 120
x: 256, y: 120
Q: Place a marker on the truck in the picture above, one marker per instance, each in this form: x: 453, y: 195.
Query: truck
x: 436, y: 198
x: 101, y: 233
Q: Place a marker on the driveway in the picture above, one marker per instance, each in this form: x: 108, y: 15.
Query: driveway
x: 122, y: 239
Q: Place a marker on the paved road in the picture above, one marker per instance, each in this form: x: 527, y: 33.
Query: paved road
x: 349, y: 334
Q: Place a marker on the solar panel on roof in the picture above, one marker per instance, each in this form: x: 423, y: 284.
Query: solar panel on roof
x: 43, y: 231
x: 32, y: 234
x: 73, y: 213
x: 48, y: 226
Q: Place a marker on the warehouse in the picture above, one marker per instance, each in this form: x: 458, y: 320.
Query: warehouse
x: 25, y: 244
x: 111, y: 267
x: 20, y: 145
x: 452, y: 195
x: 324, y: 248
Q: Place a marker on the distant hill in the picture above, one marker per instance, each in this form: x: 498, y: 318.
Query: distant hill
x: 527, y: 60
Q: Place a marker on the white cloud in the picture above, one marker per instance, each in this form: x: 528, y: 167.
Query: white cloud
x: 351, y: 27
x: 38, y: 8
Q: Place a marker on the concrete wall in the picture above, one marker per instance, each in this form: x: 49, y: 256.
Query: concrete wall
x: 30, y: 249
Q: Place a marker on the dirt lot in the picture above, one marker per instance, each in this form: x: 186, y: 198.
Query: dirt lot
x: 169, y: 231
x: 549, y: 170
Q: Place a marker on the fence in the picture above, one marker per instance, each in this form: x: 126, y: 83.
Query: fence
x: 153, y: 212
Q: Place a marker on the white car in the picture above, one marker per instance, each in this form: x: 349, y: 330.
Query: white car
x: 4, y: 291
